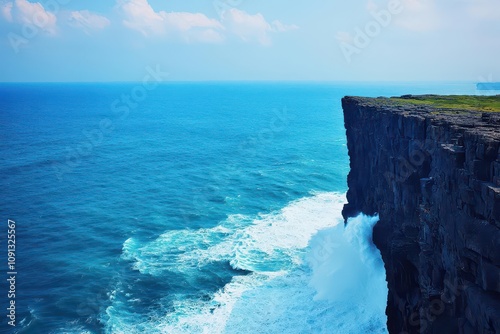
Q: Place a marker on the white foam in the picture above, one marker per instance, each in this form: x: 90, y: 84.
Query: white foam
x: 345, y: 263
x: 258, y: 245
x: 274, y: 247
x: 342, y: 290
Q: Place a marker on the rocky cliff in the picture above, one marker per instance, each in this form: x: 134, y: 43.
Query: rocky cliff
x: 433, y: 176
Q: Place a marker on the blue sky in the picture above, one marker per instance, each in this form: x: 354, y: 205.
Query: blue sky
x: 362, y: 40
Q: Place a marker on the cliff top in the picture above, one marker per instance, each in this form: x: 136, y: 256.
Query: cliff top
x: 450, y: 103
x: 468, y: 102
x: 479, y: 114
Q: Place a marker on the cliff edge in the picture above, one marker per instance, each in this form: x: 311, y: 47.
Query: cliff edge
x: 431, y: 170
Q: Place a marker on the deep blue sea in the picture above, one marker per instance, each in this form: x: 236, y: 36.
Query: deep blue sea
x: 193, y: 208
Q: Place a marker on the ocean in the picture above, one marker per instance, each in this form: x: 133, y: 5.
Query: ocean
x: 186, y: 208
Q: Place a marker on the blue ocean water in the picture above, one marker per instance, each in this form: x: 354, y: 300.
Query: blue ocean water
x: 195, y: 208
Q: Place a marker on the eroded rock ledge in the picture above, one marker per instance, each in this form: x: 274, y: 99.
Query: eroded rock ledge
x: 433, y: 176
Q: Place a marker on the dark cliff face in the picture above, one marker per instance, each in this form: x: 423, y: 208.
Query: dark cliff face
x: 434, y: 179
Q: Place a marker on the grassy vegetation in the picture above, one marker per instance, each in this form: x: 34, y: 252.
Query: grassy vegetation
x: 463, y: 102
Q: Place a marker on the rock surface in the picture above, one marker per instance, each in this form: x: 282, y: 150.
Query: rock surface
x: 433, y: 176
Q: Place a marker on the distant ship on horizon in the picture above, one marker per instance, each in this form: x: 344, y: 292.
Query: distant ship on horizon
x: 488, y: 86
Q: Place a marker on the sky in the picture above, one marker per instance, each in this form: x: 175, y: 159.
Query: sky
x: 211, y: 40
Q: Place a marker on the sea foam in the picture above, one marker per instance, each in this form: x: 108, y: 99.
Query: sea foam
x: 307, y: 273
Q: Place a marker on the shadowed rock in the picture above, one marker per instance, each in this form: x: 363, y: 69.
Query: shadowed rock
x: 433, y: 176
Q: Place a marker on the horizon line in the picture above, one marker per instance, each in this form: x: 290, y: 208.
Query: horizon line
x: 251, y: 81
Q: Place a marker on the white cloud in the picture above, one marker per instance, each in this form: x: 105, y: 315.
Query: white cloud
x: 371, y: 6
x: 431, y: 15
x: 87, y: 21
x: 344, y: 37
x: 418, y: 15
x: 206, y: 36
x: 139, y: 15
x: 278, y: 26
x: 252, y: 27
x: 185, y: 21
x: 7, y: 11
x: 24, y: 12
x: 484, y: 9
x: 247, y: 27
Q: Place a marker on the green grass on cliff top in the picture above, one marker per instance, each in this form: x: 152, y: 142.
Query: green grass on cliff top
x: 463, y: 102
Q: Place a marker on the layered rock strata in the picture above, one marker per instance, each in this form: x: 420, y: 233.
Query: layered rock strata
x: 433, y: 177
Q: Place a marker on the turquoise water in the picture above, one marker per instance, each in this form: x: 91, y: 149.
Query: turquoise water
x: 193, y: 209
